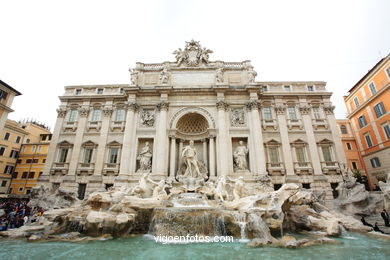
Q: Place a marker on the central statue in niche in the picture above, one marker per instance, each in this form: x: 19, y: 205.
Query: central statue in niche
x: 192, y: 172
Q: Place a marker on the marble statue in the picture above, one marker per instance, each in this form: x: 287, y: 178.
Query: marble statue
x: 219, y: 75
x: 221, y: 192
x: 251, y: 75
x: 147, y: 118
x: 134, y: 77
x: 193, y: 54
x: 159, y: 190
x: 238, y: 188
x: 239, y: 157
x: 180, y: 56
x: 145, y: 187
x: 145, y: 159
x: 204, y: 55
x: 190, y: 157
x: 164, y: 76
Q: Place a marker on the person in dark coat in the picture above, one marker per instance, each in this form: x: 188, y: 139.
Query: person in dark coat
x: 366, y: 223
x: 385, y: 217
x: 376, y: 228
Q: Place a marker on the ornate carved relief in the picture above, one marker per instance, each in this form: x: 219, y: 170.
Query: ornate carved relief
x: 238, y: 117
x: 192, y: 55
x: 164, y: 76
x: 222, y: 105
x: 147, y: 118
x: 133, y: 106
x: 84, y: 111
x: 134, y: 77
x: 61, y: 112
x: 280, y: 110
x: 107, y: 111
x: 219, y: 75
x: 253, y: 104
x: 162, y: 106
x: 304, y: 110
x: 251, y: 74
x: 328, y: 109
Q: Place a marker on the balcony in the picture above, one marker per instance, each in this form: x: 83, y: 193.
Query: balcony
x: 270, y: 123
x: 330, y: 168
x: 294, y: 123
x: 94, y: 125
x: 118, y: 125
x: 70, y: 127
x: 303, y: 168
x: 59, y: 167
x: 85, y: 167
x: 319, y: 123
x: 276, y: 168
x: 111, y: 169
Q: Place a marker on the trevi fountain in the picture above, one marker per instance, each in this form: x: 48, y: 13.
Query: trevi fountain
x: 206, y: 192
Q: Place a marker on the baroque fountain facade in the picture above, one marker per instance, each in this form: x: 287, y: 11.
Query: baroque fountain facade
x: 196, y: 147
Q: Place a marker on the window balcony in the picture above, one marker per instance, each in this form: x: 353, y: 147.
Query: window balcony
x: 59, y: 167
x: 303, y: 168
x: 94, y: 125
x: 85, y: 167
x: 319, y: 123
x: 330, y: 167
x: 294, y: 123
x: 276, y: 168
x: 111, y: 169
x: 70, y: 126
x: 270, y: 123
x: 120, y: 125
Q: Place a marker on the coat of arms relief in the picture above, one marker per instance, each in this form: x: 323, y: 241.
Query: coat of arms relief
x: 192, y: 55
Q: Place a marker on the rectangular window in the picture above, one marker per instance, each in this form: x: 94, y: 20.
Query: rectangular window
x: 35, y: 161
x: 6, y: 136
x: 78, y: 92
x: 372, y: 88
x: 39, y: 148
x: 88, y: 155
x: 287, y: 88
x: 33, y: 148
x: 3, y: 94
x: 362, y: 121
x: 96, y: 115
x: 24, y: 175
x: 9, y: 169
x: 264, y: 88
x: 292, y: 113
x: 267, y: 113
x: 388, y: 72
x: 19, y: 161
x: 15, y: 175
x: 300, y: 153
x: 3, y: 183
x: 316, y: 113
x: 327, y: 153
x: 62, y: 155
x: 14, y: 154
x: 23, y: 149
x: 2, y: 150
x: 310, y: 88
x: 113, y: 155
x: 349, y: 147
x: 379, y: 109
x: 29, y: 161
x: 354, y: 165
x: 343, y: 129
x: 31, y: 175
x: 273, y: 154
x: 368, y: 140
x: 99, y: 91
x: 43, y: 160
x: 72, y: 115
x: 375, y: 162
x: 386, y: 129
x: 81, y: 191
x: 20, y: 189
x: 356, y: 100
x: 17, y: 139
x: 120, y: 115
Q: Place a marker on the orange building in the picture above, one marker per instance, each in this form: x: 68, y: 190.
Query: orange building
x: 368, y: 105
x: 7, y: 94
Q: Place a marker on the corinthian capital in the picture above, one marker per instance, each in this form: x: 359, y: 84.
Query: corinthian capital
x: 305, y: 110
x: 162, y: 106
x: 329, y: 109
x: 280, y: 110
x: 84, y: 111
x: 253, y: 104
x: 107, y: 111
x: 132, y: 106
x: 222, y: 105
x: 61, y: 112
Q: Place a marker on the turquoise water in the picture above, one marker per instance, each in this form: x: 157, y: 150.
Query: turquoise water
x: 354, y: 246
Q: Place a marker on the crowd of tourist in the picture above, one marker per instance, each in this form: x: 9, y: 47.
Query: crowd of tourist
x: 16, y: 213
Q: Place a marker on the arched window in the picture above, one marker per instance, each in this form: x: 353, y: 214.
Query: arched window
x: 343, y: 129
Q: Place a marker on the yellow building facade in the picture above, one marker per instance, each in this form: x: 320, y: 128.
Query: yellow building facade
x: 11, y: 138
x: 7, y: 94
x: 31, y: 160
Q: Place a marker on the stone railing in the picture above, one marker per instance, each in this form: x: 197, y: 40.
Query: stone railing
x: 276, y: 168
x: 303, y: 168
x: 118, y: 125
x: 269, y: 123
x: 85, y: 167
x: 294, y: 123
x: 59, y: 167
x: 94, y: 125
x: 319, y: 123
x: 233, y: 65
x: 70, y: 126
x: 330, y: 167
x: 111, y: 168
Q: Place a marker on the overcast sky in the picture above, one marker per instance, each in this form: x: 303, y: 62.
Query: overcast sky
x: 46, y: 45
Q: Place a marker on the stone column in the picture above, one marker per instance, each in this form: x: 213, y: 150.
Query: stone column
x: 260, y: 166
x: 82, y: 121
x: 313, y: 149
x: 286, y: 148
x: 101, y: 149
x: 339, y: 149
x: 126, y: 146
x: 212, y: 157
x: 172, y: 161
x: 181, y: 144
x: 204, y: 141
x: 50, y: 158
x: 160, y: 143
x: 223, y: 161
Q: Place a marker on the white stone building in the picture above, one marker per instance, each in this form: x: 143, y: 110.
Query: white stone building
x: 289, y: 127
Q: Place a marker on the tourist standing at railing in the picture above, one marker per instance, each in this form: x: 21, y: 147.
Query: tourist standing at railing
x: 385, y: 217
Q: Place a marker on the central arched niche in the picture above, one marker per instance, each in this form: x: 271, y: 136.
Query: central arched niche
x: 192, y: 124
